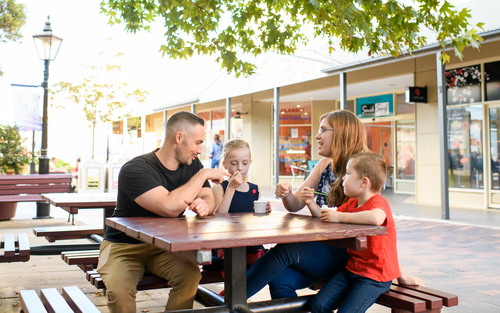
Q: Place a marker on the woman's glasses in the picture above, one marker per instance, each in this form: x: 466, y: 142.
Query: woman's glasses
x: 321, y: 130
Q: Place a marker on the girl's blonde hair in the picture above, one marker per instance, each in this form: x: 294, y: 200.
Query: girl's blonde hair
x: 349, y: 137
x: 232, y: 145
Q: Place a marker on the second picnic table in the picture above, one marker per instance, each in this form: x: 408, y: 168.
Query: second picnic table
x: 235, y: 231
x: 72, y: 202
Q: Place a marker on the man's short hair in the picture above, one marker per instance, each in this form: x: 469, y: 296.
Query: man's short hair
x: 176, y: 121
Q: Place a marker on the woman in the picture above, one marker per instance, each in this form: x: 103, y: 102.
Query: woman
x: 288, y: 267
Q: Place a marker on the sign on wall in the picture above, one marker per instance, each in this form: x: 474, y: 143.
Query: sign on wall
x: 375, y: 106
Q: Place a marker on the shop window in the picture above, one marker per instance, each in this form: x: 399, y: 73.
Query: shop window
x: 405, y: 137
x: 402, y: 106
x: 492, y: 77
x: 465, y: 147
x: 463, y: 85
x: 294, y: 137
x: 495, y: 147
x: 134, y: 126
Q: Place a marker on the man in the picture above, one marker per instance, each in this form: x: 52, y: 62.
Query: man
x: 161, y: 183
x: 216, y: 151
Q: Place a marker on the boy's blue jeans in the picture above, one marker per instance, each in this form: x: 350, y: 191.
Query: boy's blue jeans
x: 288, y: 267
x: 349, y: 293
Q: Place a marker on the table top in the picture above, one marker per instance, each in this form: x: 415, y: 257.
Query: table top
x: 231, y: 230
x: 81, y: 199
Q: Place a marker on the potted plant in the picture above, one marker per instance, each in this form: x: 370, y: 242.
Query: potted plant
x: 13, y: 158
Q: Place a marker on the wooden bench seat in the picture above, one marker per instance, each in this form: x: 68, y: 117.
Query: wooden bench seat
x: 67, y: 232
x: 19, y: 188
x: 151, y: 281
x: 50, y: 300
x: 14, y: 248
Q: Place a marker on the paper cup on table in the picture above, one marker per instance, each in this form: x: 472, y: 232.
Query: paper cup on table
x: 259, y: 206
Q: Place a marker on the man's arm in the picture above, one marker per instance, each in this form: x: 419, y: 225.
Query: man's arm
x: 172, y: 203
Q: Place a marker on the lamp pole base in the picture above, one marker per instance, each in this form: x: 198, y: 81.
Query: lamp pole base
x: 42, y: 211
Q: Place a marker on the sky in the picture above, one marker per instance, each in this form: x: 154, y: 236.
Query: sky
x: 86, y: 33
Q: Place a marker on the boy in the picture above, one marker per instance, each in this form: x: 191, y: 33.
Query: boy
x: 368, y: 273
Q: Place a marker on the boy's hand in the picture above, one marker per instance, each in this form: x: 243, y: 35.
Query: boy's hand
x: 235, y: 180
x: 330, y: 215
x: 410, y: 280
x: 307, y: 194
x: 283, y: 189
x: 199, y: 206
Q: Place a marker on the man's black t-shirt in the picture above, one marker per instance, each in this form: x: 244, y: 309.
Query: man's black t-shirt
x: 140, y: 175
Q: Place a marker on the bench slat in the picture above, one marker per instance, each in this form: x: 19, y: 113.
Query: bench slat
x: 22, y: 198
x: 30, y: 302
x: 399, y: 301
x: 66, y: 232
x: 78, y: 301
x: 448, y: 299
x: 9, y: 247
x: 432, y: 302
x: 23, y: 244
x: 54, y: 301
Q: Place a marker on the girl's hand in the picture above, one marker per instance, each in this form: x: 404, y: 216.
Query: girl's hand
x: 235, y: 180
x: 283, y: 189
x: 307, y: 194
x: 268, y: 207
x: 330, y: 215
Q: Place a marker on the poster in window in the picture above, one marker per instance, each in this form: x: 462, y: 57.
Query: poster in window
x: 375, y: 106
x: 492, y: 77
x: 93, y: 178
x: 463, y: 85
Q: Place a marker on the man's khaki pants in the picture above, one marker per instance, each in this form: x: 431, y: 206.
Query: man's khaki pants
x: 122, y: 265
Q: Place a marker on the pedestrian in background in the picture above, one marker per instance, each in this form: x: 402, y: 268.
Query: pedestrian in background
x: 215, y: 151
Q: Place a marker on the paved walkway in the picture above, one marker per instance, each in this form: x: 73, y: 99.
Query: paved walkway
x: 460, y: 256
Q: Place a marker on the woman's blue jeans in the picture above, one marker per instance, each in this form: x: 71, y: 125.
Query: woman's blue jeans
x: 349, y: 293
x: 288, y: 267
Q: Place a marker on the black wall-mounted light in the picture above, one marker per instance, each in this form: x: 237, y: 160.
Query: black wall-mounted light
x: 238, y: 114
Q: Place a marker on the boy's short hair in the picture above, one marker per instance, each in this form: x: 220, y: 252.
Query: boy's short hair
x: 371, y: 165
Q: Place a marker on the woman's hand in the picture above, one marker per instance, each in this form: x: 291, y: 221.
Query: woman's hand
x: 283, y: 189
x: 307, y: 195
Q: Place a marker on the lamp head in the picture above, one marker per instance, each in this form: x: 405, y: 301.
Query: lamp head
x: 47, y: 44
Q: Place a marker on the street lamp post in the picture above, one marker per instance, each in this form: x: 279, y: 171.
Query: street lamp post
x: 47, y: 46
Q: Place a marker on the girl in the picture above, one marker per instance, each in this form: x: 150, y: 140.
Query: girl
x: 236, y: 194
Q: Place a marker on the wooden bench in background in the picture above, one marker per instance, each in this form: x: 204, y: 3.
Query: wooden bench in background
x: 28, y: 188
x: 14, y: 248
x: 50, y: 300
x: 67, y: 232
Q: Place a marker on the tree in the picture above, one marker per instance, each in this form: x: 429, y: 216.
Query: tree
x: 101, y: 102
x: 12, y: 19
x: 234, y: 29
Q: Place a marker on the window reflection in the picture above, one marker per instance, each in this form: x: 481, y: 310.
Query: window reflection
x: 406, y: 150
x: 465, y: 147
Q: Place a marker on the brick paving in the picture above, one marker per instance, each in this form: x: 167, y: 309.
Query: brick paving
x: 452, y: 256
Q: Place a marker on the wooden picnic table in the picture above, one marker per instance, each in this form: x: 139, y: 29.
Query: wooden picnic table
x: 233, y: 232
x: 72, y: 202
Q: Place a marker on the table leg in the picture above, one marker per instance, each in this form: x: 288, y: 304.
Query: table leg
x: 235, y: 282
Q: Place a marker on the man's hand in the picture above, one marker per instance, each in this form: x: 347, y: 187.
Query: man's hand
x: 330, y: 215
x: 236, y: 180
x: 307, y: 195
x: 216, y: 175
x: 199, y: 206
x: 283, y: 189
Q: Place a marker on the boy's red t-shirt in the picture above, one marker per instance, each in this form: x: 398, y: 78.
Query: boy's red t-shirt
x: 380, y: 260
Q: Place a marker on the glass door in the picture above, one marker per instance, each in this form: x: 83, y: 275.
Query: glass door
x: 380, y: 140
